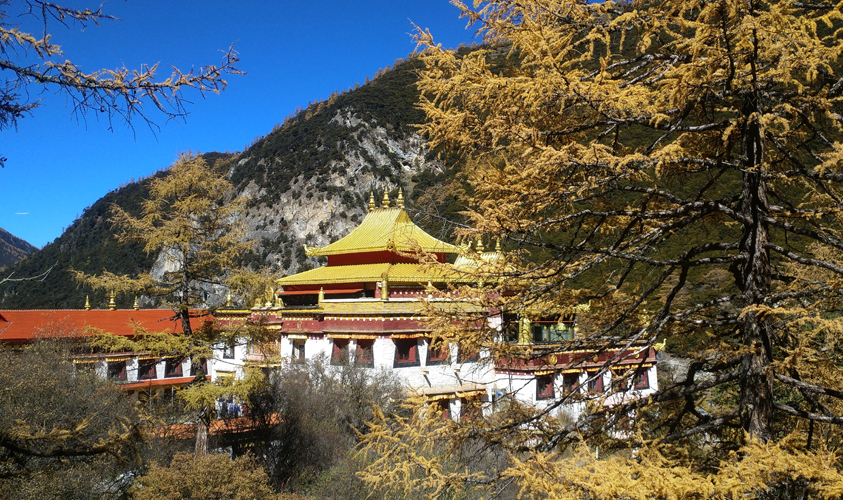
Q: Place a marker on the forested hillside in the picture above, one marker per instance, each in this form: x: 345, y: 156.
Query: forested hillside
x: 12, y: 248
x: 308, y: 180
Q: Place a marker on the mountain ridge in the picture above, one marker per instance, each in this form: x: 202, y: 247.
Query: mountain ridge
x: 308, y: 181
x: 13, y: 249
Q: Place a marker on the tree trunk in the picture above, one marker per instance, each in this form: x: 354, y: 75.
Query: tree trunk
x: 203, y: 423
x: 184, y: 307
x: 756, y: 401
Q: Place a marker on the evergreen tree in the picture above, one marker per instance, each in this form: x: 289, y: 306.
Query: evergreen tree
x: 190, y: 221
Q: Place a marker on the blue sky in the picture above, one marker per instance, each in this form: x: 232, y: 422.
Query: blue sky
x: 293, y: 53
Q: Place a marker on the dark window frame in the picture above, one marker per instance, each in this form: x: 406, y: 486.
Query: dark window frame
x: 570, y: 382
x: 595, y: 386
x: 339, y: 351
x: 173, y: 368
x: 547, y: 332
x: 120, y: 374
x: 147, y: 369
x: 641, y: 381
x: 545, y: 387
x: 202, y: 364
x: 298, y: 354
x: 440, y: 355
x: 364, y: 353
x: 406, y: 353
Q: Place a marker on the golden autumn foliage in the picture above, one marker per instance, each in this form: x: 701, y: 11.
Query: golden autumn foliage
x: 668, y: 172
x: 192, y: 220
x: 210, y: 477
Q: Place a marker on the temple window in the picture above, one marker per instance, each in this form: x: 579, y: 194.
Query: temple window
x: 173, y: 368
x: 471, y: 408
x: 406, y: 353
x: 85, y: 366
x: 544, y: 387
x: 228, y: 352
x: 339, y: 354
x: 596, y: 384
x: 439, y: 354
x: 364, y: 355
x: 509, y: 327
x: 146, y: 369
x: 444, y: 406
x: 570, y: 382
x: 117, y: 370
x: 298, y: 351
x: 641, y: 380
x: 200, y: 364
x: 552, y: 331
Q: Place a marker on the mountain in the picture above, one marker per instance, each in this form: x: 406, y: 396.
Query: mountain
x: 308, y: 180
x: 12, y: 248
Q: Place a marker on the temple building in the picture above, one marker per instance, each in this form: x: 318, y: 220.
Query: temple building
x: 366, y: 305
x: 141, y: 374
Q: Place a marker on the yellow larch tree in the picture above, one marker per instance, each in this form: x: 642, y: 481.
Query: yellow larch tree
x: 676, y: 165
x: 193, y: 222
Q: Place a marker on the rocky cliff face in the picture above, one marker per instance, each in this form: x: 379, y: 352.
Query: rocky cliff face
x: 321, y: 209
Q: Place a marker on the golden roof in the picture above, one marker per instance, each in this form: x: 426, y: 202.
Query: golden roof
x: 366, y: 273
x: 473, y: 261
x: 385, y: 229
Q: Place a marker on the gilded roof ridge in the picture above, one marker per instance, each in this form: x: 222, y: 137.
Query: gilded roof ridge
x: 385, y: 229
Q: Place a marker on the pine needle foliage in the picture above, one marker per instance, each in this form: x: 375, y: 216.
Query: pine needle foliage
x: 665, y: 170
x: 189, y: 218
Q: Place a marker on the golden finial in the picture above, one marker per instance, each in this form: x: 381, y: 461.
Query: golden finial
x: 498, y: 245
x: 257, y: 303
x: 660, y: 345
x: 385, y: 202
x: 135, y: 306
x: 400, y: 201
x: 111, y: 304
x: 371, y: 201
x: 228, y: 299
x: 321, y: 294
x: 480, y: 245
x: 87, y: 304
x: 268, y: 294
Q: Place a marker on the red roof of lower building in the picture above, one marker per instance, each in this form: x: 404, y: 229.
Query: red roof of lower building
x: 29, y: 325
x: 160, y: 382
